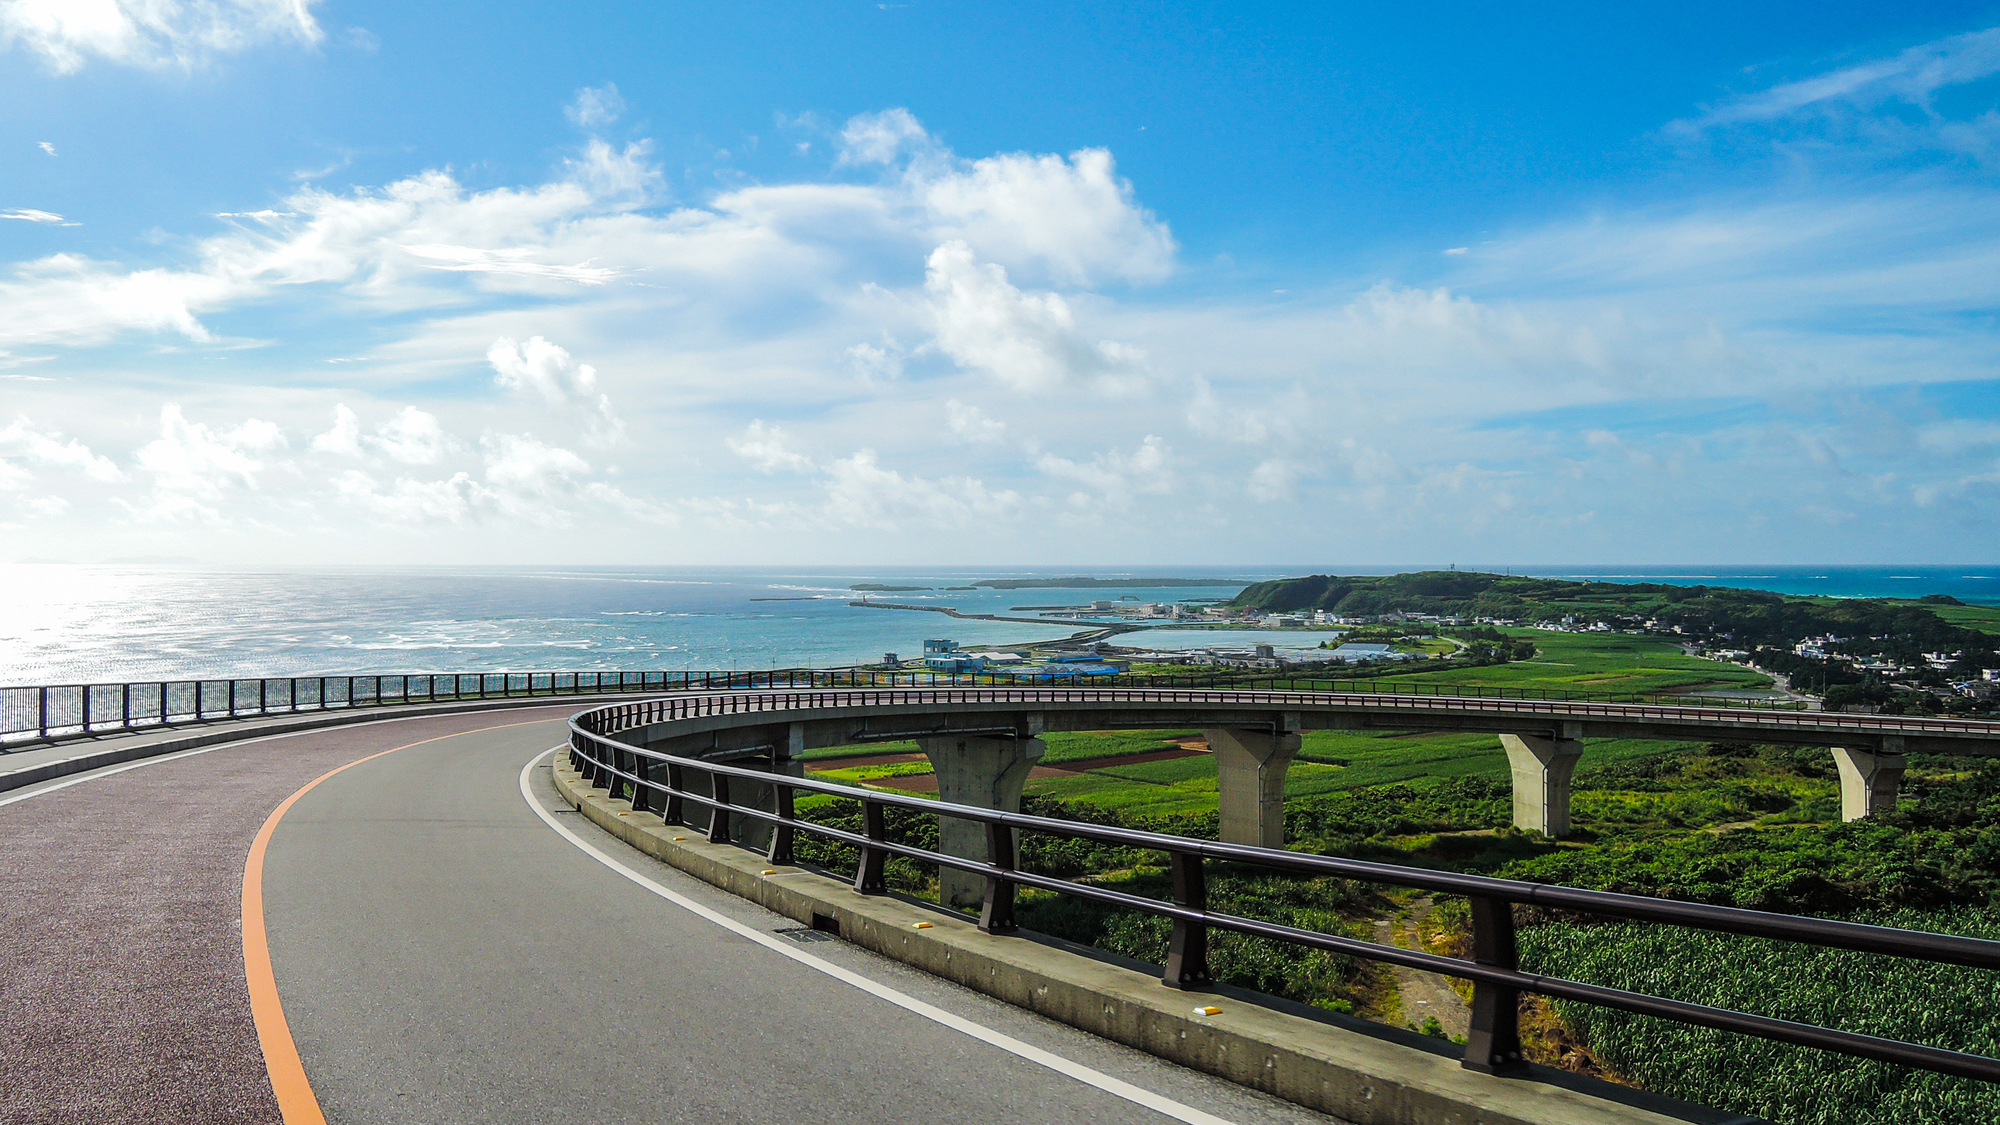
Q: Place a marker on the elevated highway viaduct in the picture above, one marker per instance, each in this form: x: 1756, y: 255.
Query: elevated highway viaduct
x: 982, y: 742
x: 403, y: 919
x: 426, y: 933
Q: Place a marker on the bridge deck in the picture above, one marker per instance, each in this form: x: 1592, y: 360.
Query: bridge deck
x: 878, y: 712
x: 443, y: 956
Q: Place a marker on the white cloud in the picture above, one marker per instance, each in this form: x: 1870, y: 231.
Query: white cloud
x: 520, y: 463
x: 344, y: 437
x: 524, y: 480
x: 1029, y: 341
x: 861, y: 493
x: 21, y: 438
x: 389, y: 248
x: 874, y: 364
x: 151, y: 32
x: 624, y: 176
x: 1914, y: 76
x: 516, y: 261
x: 541, y: 367
x: 46, y: 507
x: 545, y: 368
x: 453, y: 500
x: 1885, y: 109
x: 410, y: 436
x: 29, y: 215
x: 1074, y: 217
x: 47, y: 147
x: 595, y: 106
x: 769, y: 449
x: 191, y: 462
x: 1272, y: 480
x: 1115, y: 476
x: 971, y: 423
x: 880, y: 138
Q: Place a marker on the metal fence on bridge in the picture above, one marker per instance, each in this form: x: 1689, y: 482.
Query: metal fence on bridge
x: 657, y: 782
x: 66, y: 710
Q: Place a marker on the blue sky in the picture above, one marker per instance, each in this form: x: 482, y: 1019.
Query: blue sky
x: 288, y: 282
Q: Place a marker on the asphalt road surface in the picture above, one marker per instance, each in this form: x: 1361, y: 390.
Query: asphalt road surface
x: 443, y: 954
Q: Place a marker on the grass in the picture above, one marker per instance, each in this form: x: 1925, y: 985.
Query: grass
x: 1985, y: 618
x: 1602, y: 662
x: 1335, y: 761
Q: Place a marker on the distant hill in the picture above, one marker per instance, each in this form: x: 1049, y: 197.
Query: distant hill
x: 1081, y: 583
x: 1747, y: 618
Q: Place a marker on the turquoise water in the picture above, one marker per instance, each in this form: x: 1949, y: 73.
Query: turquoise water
x: 66, y: 624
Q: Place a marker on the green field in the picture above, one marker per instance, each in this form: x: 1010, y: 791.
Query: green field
x: 1985, y: 618
x: 1748, y: 826
x: 1333, y: 761
x: 1603, y: 662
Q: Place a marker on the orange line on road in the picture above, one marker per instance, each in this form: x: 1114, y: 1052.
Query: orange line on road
x: 296, y: 1101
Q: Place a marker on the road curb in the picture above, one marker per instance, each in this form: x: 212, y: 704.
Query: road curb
x: 1359, y: 1072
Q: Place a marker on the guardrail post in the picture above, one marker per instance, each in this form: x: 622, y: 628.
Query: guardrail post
x: 868, y: 878
x: 782, y: 758
x: 676, y: 810
x: 1493, y: 1042
x: 42, y: 721
x: 718, y: 813
x: 641, y: 794
x: 996, y: 915
x: 1187, y: 949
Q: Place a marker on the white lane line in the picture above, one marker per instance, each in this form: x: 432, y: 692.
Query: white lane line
x: 108, y: 771
x: 1008, y: 1043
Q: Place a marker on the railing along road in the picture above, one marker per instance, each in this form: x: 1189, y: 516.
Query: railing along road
x: 55, y: 711
x: 1493, y: 1045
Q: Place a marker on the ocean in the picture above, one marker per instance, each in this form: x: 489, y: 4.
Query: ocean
x: 71, y: 624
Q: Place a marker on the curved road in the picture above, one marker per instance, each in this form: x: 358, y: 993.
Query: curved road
x: 451, y: 944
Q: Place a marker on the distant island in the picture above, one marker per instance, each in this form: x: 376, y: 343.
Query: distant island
x: 1080, y: 583
x: 883, y: 588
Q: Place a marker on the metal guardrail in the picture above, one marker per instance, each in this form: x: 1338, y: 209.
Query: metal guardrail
x: 65, y: 710
x: 1493, y: 1045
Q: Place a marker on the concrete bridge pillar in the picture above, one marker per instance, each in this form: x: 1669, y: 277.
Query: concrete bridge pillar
x: 1542, y: 768
x: 986, y: 772
x: 1250, y: 768
x: 1869, y: 780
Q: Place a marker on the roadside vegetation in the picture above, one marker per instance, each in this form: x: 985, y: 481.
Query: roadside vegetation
x: 1732, y: 824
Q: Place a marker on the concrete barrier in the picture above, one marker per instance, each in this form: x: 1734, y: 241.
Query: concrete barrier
x: 1354, y: 1070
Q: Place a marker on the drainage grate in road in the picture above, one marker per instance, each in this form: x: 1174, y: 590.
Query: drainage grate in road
x: 805, y: 934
